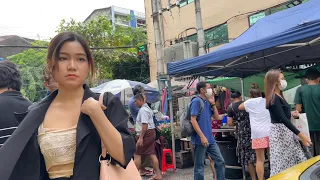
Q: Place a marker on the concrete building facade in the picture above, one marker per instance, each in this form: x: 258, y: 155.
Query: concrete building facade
x: 223, y: 21
x: 119, y: 16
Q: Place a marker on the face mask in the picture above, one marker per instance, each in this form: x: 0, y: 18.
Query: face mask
x: 209, y: 93
x: 283, y: 85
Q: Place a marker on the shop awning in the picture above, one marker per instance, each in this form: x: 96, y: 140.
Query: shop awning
x: 289, y: 37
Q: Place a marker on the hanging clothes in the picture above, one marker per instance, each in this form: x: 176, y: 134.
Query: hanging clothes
x: 164, y: 100
x: 227, y: 99
x: 222, y: 99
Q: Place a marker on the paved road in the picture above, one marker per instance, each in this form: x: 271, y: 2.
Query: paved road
x: 185, y: 174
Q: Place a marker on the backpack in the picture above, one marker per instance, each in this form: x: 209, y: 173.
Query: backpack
x: 185, y: 118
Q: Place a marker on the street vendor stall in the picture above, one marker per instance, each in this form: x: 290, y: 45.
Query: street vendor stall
x: 286, y: 39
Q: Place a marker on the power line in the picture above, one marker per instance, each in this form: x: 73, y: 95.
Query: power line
x: 46, y: 47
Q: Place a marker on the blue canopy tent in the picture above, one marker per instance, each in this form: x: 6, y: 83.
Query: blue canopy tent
x: 286, y: 38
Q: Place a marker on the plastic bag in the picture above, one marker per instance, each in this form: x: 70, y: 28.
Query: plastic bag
x: 302, y: 124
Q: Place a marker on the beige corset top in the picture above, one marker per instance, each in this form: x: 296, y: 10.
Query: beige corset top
x: 58, y: 148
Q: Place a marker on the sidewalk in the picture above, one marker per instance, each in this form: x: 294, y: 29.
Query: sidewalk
x: 185, y: 174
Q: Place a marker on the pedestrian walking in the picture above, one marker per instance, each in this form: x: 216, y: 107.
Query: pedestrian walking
x: 146, y: 136
x: 12, y: 102
x: 260, y: 123
x: 308, y: 98
x: 285, y: 149
x: 202, y: 138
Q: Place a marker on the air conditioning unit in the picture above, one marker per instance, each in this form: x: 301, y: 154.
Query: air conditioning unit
x: 181, y: 51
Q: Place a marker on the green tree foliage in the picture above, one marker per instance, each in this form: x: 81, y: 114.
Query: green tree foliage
x: 31, y: 65
x: 138, y: 70
x: 112, y: 63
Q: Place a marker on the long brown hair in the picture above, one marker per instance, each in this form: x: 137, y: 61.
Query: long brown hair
x: 271, y: 81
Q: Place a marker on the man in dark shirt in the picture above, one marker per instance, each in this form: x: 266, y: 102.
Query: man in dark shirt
x: 11, y: 99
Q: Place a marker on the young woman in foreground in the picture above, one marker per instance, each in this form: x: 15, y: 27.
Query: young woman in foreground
x: 285, y: 149
x: 61, y: 138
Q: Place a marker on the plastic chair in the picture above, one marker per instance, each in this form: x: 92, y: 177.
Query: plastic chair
x: 164, y: 165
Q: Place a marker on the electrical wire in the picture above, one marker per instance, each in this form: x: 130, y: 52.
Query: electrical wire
x: 92, y: 48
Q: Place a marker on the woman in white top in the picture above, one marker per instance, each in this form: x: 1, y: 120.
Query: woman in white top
x: 260, y: 122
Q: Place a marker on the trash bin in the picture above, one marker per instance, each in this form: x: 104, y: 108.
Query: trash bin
x: 228, y: 151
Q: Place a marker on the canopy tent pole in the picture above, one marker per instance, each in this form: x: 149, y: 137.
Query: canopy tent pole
x: 312, y: 42
x: 171, y: 122
x: 242, y: 88
x: 167, y: 78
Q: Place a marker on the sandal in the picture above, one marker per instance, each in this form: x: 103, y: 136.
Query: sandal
x: 153, y: 178
x: 149, y: 173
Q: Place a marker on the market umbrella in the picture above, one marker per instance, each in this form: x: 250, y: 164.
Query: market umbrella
x: 123, y: 89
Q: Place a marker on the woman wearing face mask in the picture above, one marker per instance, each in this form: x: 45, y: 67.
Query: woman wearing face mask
x: 285, y: 150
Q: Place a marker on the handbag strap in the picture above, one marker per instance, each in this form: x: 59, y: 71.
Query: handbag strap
x: 103, y: 148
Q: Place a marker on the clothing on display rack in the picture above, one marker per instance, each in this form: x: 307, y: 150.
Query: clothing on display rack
x: 227, y: 98
x: 164, y: 101
x: 223, y: 95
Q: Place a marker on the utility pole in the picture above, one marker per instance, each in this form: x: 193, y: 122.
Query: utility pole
x: 200, y: 32
x: 161, y: 77
x: 158, y: 41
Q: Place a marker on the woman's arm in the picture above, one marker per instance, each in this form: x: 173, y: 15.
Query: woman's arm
x: 230, y: 113
x: 117, y: 140
x: 230, y: 121
x: 241, y: 107
x: 279, y: 113
x: 215, y: 113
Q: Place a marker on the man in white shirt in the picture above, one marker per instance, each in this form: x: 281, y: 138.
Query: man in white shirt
x: 146, y: 133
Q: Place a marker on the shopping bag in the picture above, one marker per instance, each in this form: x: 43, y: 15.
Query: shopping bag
x: 302, y: 124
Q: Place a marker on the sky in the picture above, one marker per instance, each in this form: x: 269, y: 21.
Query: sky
x: 39, y: 18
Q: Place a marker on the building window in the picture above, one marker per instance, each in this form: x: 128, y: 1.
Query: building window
x: 213, y: 36
x: 141, y: 23
x: 186, y: 3
x: 255, y: 17
x: 121, y: 20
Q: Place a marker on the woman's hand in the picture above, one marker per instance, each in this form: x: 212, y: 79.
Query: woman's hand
x: 305, y: 140
x: 295, y: 114
x: 90, y: 106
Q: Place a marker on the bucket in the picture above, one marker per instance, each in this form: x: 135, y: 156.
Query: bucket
x: 228, y: 151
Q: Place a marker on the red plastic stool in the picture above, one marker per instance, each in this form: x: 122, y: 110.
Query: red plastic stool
x: 164, y: 165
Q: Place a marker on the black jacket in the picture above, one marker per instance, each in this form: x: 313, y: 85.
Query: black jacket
x: 21, y: 157
x: 11, y: 102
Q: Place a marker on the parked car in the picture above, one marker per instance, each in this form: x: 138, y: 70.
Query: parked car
x: 308, y: 170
